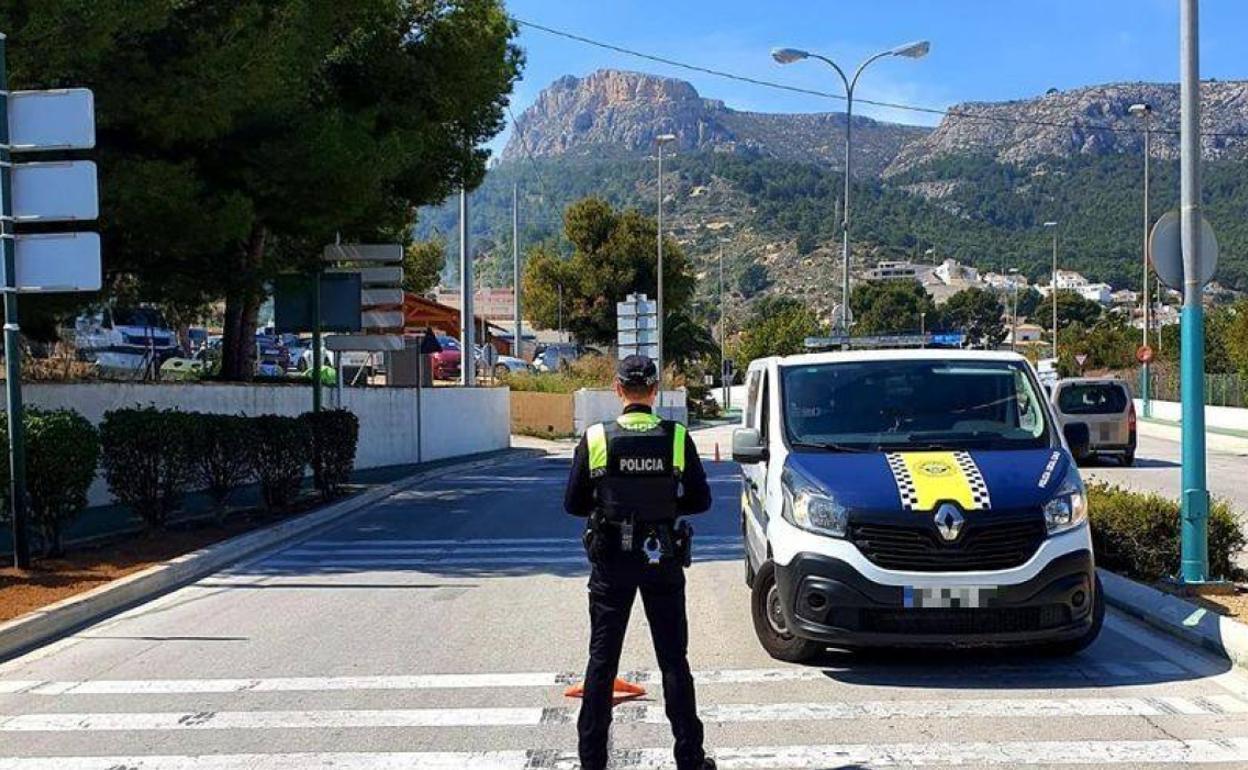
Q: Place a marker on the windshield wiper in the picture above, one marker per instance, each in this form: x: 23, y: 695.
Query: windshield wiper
x: 829, y: 446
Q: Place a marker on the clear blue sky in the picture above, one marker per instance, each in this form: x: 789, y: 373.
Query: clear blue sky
x: 982, y: 50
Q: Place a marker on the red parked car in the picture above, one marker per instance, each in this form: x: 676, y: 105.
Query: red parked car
x: 446, y: 363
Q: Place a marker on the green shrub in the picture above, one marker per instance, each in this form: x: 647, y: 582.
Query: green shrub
x: 1137, y: 534
x: 335, y: 435
x: 586, y: 372
x: 146, y: 453
x: 220, y: 460
x: 280, y: 450
x: 62, y: 452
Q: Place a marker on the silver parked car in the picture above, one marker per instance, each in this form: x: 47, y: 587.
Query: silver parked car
x: 1106, y: 407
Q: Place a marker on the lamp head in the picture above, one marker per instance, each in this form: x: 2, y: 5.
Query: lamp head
x: 1141, y: 110
x: 665, y: 138
x: 1050, y: 224
x: 788, y: 55
x: 915, y: 50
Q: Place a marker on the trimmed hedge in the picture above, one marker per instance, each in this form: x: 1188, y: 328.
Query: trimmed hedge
x: 219, y: 457
x: 280, y: 450
x: 335, y: 436
x: 62, y: 452
x: 153, y: 456
x: 1137, y: 534
x: 147, y: 460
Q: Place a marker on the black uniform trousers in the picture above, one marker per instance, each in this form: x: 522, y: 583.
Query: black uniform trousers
x: 614, y: 581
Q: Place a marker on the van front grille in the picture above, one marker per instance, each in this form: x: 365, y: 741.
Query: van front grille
x: 983, y: 545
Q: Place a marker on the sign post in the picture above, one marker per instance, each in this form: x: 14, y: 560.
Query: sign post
x: 32, y: 121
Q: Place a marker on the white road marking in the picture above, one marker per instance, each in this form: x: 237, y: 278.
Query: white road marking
x: 1008, y: 754
x: 518, y: 541
x: 15, y: 685
x: 1037, y: 672
x: 1013, y: 708
x: 315, y: 554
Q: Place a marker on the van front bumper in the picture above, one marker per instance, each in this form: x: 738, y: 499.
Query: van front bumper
x: 826, y: 599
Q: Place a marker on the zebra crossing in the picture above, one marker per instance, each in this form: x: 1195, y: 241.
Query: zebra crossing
x: 477, y: 553
x: 1127, y: 691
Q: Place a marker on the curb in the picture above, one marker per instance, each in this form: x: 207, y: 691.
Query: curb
x: 34, y: 629
x: 1195, y: 625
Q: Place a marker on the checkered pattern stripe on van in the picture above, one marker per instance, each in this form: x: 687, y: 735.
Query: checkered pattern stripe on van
x: 906, y: 488
x: 979, y: 487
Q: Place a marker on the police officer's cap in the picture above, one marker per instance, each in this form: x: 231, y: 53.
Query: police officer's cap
x: 637, y: 371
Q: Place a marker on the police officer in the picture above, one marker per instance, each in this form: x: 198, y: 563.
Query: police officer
x: 632, y: 478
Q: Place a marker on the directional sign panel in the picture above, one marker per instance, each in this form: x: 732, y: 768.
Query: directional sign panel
x: 55, y: 192
x: 52, y: 120
x: 382, y: 319
x: 364, y: 342
x: 375, y: 276
x: 381, y: 298
x: 363, y: 252
x: 57, y: 262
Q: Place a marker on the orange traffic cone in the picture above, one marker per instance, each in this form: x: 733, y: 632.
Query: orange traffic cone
x: 716, y: 451
x: 620, y: 690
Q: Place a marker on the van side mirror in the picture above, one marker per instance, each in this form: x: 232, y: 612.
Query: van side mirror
x: 747, y: 446
x: 1078, y: 438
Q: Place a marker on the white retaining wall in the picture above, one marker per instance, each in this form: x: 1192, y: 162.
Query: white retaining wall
x: 1230, y: 418
x: 591, y: 406
x: 453, y: 421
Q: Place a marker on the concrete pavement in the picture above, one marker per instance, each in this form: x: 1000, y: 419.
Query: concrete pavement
x: 438, y: 628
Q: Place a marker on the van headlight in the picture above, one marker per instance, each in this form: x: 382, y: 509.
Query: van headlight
x: 1069, y: 507
x: 810, y: 507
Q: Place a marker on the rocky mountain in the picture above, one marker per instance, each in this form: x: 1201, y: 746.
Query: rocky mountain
x: 1084, y: 121
x: 609, y: 113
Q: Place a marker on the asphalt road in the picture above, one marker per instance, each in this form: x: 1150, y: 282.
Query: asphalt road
x: 1157, y: 466
x: 438, y: 628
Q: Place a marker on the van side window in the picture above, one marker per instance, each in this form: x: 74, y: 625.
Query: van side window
x: 751, y: 399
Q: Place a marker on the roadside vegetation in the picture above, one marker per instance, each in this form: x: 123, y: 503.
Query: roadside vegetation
x: 1137, y: 534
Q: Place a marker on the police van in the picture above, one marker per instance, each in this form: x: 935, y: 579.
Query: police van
x: 912, y: 498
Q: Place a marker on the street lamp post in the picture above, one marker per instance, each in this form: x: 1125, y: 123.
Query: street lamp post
x: 1053, y: 286
x: 915, y: 50
x: 923, y: 329
x: 661, y: 140
x: 1013, y: 273
x: 723, y: 370
x: 1145, y: 111
x: 1194, y: 548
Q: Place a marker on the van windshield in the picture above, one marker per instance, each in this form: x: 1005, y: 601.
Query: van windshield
x: 912, y: 405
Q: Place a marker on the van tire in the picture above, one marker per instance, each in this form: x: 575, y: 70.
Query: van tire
x: 1074, y: 646
x: 769, y: 626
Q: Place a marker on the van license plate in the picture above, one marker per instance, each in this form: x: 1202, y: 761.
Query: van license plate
x: 948, y: 598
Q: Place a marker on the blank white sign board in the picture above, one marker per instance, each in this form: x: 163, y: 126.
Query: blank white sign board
x: 56, y: 262
x: 55, y: 192
x: 52, y: 120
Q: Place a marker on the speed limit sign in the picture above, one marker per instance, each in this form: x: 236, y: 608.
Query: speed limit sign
x: 1144, y: 354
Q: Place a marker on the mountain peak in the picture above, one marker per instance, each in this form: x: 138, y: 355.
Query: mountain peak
x: 617, y: 112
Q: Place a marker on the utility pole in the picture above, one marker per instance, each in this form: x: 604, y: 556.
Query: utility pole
x: 1145, y: 111
x: 515, y: 267
x: 1053, y: 286
x: 467, y: 327
x: 1194, y: 557
x: 723, y: 369
x: 12, y: 333
x: 661, y: 140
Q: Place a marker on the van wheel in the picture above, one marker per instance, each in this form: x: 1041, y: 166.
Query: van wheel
x: 1128, y: 458
x: 769, y: 623
x: 1073, y: 646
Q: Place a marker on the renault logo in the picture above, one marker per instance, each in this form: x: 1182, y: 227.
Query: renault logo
x: 949, y: 521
